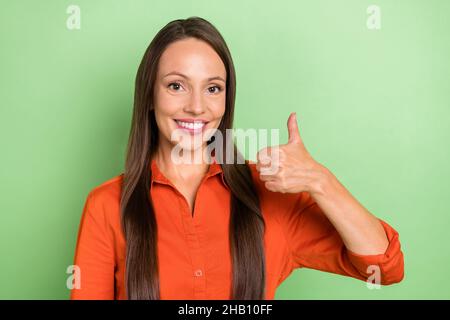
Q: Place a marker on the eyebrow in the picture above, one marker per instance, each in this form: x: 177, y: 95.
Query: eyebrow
x: 184, y: 76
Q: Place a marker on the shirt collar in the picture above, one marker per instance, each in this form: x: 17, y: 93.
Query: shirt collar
x: 214, y: 169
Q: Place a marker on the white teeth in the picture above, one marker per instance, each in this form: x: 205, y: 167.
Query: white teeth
x: 191, y: 125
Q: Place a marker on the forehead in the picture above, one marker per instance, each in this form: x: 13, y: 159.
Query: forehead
x: 192, y: 57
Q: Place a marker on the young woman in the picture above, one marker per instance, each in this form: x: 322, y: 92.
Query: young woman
x: 201, y: 230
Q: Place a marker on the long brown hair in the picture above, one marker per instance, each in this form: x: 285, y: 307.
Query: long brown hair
x: 137, y: 214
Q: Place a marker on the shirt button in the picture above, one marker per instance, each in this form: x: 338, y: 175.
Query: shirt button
x: 198, y: 273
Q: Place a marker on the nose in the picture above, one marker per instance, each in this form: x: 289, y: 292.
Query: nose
x: 195, y: 104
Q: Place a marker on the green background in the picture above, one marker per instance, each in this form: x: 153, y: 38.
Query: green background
x: 372, y: 106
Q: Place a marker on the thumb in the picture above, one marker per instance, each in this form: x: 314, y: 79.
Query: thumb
x: 294, y: 135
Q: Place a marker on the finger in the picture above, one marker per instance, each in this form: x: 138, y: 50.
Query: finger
x: 294, y: 134
x: 260, y: 166
x: 264, y: 177
x: 263, y: 158
x: 267, y: 171
x: 270, y: 185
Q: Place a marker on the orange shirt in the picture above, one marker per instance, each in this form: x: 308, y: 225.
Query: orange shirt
x: 194, y: 253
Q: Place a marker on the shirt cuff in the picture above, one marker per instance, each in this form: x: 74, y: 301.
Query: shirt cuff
x: 390, y: 263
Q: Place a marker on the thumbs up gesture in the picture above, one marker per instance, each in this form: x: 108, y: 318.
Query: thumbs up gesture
x: 289, y: 168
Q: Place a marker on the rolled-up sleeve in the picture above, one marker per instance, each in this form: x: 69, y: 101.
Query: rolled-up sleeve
x: 94, y: 255
x: 315, y: 243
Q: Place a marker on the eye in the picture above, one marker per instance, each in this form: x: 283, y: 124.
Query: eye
x: 211, y: 89
x: 174, y: 86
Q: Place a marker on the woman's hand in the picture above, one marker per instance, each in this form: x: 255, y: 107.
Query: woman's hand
x: 289, y: 168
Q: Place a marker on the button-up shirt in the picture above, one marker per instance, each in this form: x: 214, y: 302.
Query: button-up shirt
x: 194, y: 251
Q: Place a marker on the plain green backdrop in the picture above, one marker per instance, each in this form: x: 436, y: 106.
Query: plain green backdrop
x: 372, y: 105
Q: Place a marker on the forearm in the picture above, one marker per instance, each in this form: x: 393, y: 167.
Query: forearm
x: 361, y: 232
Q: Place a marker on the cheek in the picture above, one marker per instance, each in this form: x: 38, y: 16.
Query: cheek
x: 165, y: 107
x: 217, y: 106
x: 166, y: 104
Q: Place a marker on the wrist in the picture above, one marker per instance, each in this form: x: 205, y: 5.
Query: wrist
x: 322, y: 179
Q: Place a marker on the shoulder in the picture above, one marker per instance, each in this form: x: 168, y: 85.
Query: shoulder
x: 107, y: 189
x: 105, y: 197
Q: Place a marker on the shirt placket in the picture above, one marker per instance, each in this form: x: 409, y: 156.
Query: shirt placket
x: 191, y: 228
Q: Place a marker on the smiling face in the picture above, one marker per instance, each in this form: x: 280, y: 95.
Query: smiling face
x: 190, y: 92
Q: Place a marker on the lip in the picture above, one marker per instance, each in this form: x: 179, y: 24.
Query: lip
x: 191, y: 120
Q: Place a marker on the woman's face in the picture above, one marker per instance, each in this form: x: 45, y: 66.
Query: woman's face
x: 189, y: 95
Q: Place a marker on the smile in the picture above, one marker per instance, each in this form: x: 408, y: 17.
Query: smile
x: 191, y: 124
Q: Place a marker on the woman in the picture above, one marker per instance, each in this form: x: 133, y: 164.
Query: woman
x: 165, y: 229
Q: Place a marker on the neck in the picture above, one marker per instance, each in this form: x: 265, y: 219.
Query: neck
x: 169, y: 168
